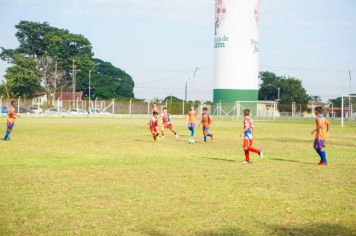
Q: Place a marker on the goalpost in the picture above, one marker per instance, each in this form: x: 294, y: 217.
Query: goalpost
x: 264, y: 109
x: 350, y: 113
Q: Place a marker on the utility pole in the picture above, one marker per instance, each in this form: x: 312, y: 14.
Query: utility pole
x: 55, y: 81
x: 73, y: 81
x: 350, y: 109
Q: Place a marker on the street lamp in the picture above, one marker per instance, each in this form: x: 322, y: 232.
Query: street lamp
x: 186, y: 83
x: 93, y: 67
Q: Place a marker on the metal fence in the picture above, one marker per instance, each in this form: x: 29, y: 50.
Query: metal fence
x: 263, y: 109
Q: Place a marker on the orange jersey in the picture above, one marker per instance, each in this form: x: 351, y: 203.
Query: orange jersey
x: 11, y: 114
x: 192, y: 117
x: 322, y: 125
x: 206, y: 119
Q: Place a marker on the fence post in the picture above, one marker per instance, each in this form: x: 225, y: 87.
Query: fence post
x: 95, y: 104
x: 130, y: 106
x: 113, y: 107
x: 183, y: 108
x: 18, y: 105
x: 274, y: 110
x: 58, y: 104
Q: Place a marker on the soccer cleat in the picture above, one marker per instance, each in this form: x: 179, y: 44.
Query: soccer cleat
x: 177, y: 136
x: 246, y: 162
x: 212, y: 137
x: 323, y: 164
x: 260, y: 154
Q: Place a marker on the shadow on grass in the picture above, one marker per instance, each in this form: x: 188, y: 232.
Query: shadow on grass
x: 223, y: 232
x: 287, y: 160
x: 287, y: 140
x: 316, y: 229
x: 219, y: 159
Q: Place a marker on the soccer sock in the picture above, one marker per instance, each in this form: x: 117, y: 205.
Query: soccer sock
x: 247, y: 155
x: 323, y: 156
x: 162, y: 133
x: 192, y: 132
x: 174, y: 132
x: 7, y: 134
x: 251, y: 149
x: 319, y: 152
x: 204, y: 138
x: 210, y: 135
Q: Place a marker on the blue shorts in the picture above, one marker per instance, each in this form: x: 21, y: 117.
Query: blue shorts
x: 319, y: 143
x: 10, y: 125
x: 191, y: 126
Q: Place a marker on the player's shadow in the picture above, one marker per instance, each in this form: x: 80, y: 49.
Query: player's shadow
x: 286, y: 140
x: 288, y: 160
x: 218, y: 159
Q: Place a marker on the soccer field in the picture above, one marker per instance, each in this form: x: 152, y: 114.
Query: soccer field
x: 66, y: 176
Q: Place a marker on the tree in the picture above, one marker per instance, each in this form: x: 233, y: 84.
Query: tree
x: 107, y: 80
x: 53, y: 50
x: 22, y: 79
x: 291, y: 90
x: 269, y: 86
x: 172, y: 99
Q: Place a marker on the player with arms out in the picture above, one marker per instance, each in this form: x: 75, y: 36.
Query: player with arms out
x: 191, y: 119
x: 11, y: 116
x: 321, y: 133
x: 167, y: 122
x: 153, y: 123
x: 247, y: 133
x: 206, y: 121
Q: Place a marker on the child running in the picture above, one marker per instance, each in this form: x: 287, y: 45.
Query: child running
x: 248, y: 137
x: 11, y: 116
x: 153, y: 123
x: 321, y: 133
x: 206, y: 120
x: 191, y: 119
x: 155, y: 108
x: 167, y: 122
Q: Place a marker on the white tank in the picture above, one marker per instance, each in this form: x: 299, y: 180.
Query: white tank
x: 236, y: 50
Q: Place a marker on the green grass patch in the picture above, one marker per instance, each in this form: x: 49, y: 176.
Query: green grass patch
x: 66, y: 176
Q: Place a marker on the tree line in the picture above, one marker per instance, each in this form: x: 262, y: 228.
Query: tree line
x: 48, y: 59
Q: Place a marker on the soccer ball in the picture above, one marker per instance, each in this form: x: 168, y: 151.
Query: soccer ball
x: 191, y: 141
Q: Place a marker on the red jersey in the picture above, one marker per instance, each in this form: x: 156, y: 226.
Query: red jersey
x: 153, y: 123
x: 166, y: 118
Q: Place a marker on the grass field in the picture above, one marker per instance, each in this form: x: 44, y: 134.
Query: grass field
x: 68, y: 176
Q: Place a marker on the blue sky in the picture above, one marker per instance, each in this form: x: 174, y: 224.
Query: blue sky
x: 160, y: 42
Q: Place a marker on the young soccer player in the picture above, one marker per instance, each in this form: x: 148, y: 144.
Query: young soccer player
x: 321, y: 133
x: 155, y: 108
x: 248, y: 137
x: 206, y: 120
x: 11, y: 116
x: 191, y: 119
x: 153, y: 123
x: 167, y: 122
